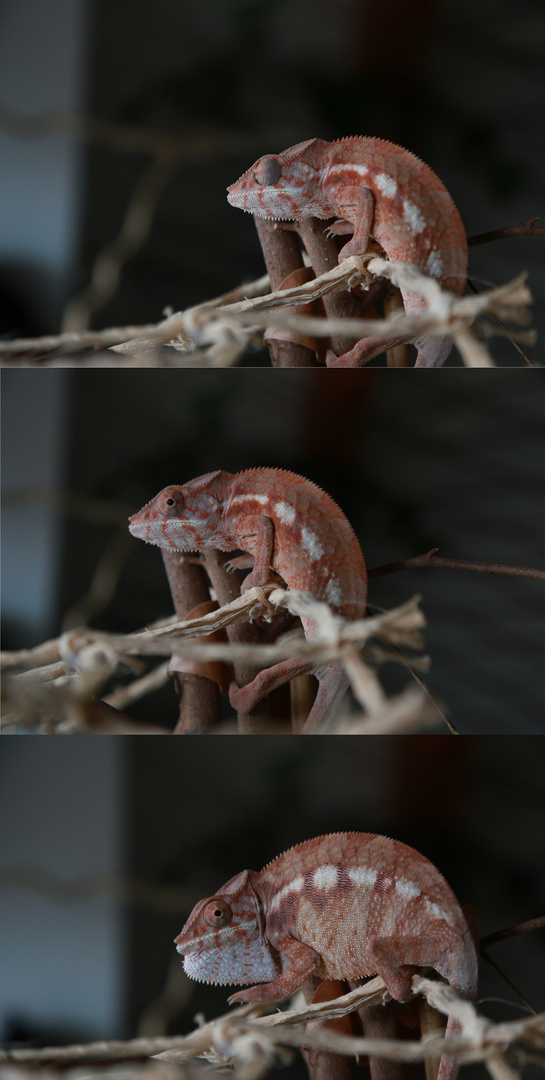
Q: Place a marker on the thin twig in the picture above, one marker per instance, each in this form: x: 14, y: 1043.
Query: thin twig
x: 431, y: 559
x: 503, y: 975
x: 513, y: 931
x: 429, y: 693
x: 527, y: 228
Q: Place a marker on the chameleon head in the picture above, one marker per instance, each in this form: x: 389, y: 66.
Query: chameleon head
x: 223, y: 941
x: 282, y: 185
x: 183, y: 518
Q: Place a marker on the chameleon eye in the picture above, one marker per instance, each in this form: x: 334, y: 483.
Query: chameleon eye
x: 172, y: 502
x: 217, y: 913
x: 267, y: 171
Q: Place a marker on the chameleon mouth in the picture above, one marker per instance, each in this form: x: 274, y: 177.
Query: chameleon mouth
x: 232, y: 199
x: 151, y: 531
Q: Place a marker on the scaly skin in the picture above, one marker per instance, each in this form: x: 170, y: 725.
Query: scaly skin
x: 287, y: 524
x: 342, y: 906
x: 384, y: 192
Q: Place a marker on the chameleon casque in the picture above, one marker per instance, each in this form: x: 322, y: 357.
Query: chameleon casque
x: 286, y: 524
x: 375, y: 189
x: 342, y: 906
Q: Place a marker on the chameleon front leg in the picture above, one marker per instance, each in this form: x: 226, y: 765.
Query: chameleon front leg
x: 298, y: 962
x: 257, y: 534
x: 360, y: 212
x: 256, y: 537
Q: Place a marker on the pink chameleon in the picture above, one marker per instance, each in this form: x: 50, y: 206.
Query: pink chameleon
x: 375, y: 189
x: 286, y: 524
x: 342, y: 906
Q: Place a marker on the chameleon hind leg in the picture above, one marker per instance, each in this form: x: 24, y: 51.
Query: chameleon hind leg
x: 332, y: 684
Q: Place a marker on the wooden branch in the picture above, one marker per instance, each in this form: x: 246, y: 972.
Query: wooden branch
x: 199, y: 695
x: 527, y: 228
x: 513, y: 931
x: 323, y: 254
x: 282, y: 256
x: 322, y: 1065
x: 431, y: 559
x: 219, y: 332
x: 89, y: 658
x: 246, y: 1040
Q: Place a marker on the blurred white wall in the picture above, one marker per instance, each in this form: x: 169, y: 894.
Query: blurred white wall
x: 34, y: 454
x: 42, y: 69
x: 62, y: 962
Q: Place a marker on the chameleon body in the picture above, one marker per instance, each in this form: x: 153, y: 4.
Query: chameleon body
x: 342, y: 906
x: 383, y: 192
x: 286, y: 524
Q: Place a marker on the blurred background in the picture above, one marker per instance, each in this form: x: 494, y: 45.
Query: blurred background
x: 123, y: 121
x: 454, y: 461
x: 108, y: 843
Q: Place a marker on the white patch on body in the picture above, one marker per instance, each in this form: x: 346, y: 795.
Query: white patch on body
x: 333, y: 591
x: 413, y: 216
x: 362, y: 875
x: 349, y: 166
x: 434, y: 264
x: 325, y: 877
x: 438, y: 912
x: 311, y: 543
x: 386, y: 184
x: 285, y: 513
x: 407, y: 889
x: 262, y: 499
x: 294, y: 886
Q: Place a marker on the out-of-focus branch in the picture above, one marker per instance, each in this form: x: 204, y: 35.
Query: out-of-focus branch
x: 431, y: 559
x: 216, y: 334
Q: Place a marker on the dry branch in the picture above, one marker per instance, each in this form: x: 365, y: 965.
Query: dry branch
x: 84, y: 651
x: 249, y: 1042
x: 447, y: 315
x: 82, y: 661
x: 59, y: 677
x: 479, y: 567
x: 216, y: 333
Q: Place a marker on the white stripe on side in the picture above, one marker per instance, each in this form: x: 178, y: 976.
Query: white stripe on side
x: 294, y: 886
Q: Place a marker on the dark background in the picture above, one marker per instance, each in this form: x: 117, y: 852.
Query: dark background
x: 455, y: 461
x: 77, y: 814
x: 458, y: 83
